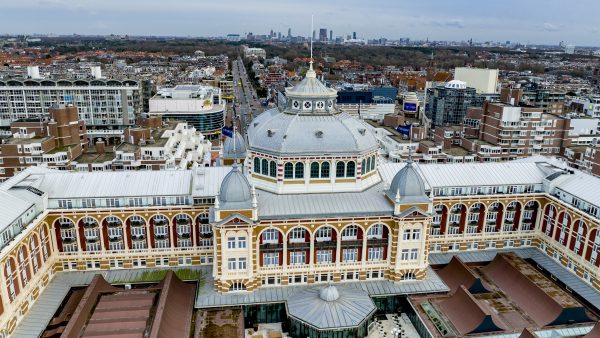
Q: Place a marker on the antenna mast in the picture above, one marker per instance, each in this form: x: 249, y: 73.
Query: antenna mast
x: 312, y: 32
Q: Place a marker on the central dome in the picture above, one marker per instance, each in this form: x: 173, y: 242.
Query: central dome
x: 310, y: 124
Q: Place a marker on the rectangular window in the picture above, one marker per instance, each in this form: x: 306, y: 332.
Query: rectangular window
x: 241, y: 242
x: 230, y: 242
x: 242, y: 263
x: 323, y: 234
x: 324, y: 256
x: 375, y: 254
x: 297, y: 257
x: 351, y: 255
x: 414, y: 254
x: 231, y: 264
x: 271, y: 259
x: 416, y: 234
x: 404, y: 255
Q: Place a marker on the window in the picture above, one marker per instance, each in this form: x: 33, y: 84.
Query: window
x: 325, y: 170
x: 404, y: 255
x: 270, y: 236
x: 23, y: 266
x: 297, y: 257
x: 350, y: 169
x: 372, y: 167
x: 375, y: 231
x: 350, y: 255
x: 242, y: 263
x: 271, y: 259
x: 112, y: 202
x: 350, y: 232
x: 230, y: 242
x: 299, y: 173
x: 184, y: 261
x: 65, y: 204
x: 272, y: 169
x: 324, y: 256
x: 368, y: 169
x: 88, y: 203
x: 414, y: 254
x: 375, y: 254
x: 416, y: 234
x: 288, y: 170
x: 406, y: 234
x: 314, y: 170
x: 340, y: 169
x: 231, y: 264
x: 298, y: 235
x: 241, y: 242
x: 264, y: 167
x: 323, y: 234
x: 256, y: 165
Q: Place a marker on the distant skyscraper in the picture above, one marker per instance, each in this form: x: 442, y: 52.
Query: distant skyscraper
x: 331, y: 35
x: 314, y: 36
x: 354, y: 35
x: 323, y: 34
x: 279, y: 36
x: 289, y: 32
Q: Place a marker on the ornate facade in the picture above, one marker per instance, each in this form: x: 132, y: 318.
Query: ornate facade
x: 335, y: 214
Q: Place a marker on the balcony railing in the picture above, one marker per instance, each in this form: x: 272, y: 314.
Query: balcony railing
x: 326, y: 244
x: 300, y: 245
x: 435, y: 231
x: 453, y: 230
x: 490, y: 229
x: 271, y: 247
x: 377, y: 241
x: 472, y: 229
x: 352, y: 243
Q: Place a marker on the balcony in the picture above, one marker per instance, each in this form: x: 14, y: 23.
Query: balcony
x: 507, y: 228
x: 161, y: 222
x: 184, y: 221
x: 113, y: 224
x: 526, y: 227
x: 137, y: 223
x: 138, y: 237
x: 183, y: 235
x: 352, y: 243
x: 472, y: 229
x: 90, y: 224
x: 298, y: 245
x: 490, y: 229
x: 114, y: 239
x: 66, y: 225
x: 271, y: 247
x: 435, y: 231
x: 377, y: 242
x: 326, y: 244
x: 491, y: 221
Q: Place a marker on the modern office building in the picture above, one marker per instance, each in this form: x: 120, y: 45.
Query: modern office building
x: 200, y: 106
x: 312, y: 228
x: 448, y: 103
x: 102, y: 103
x: 323, y: 34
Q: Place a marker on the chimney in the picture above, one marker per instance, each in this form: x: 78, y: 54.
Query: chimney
x: 100, y: 146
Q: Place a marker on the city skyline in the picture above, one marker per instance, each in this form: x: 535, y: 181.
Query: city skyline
x: 533, y: 22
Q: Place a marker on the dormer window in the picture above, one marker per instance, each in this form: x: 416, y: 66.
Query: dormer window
x: 296, y: 104
x: 307, y: 105
x: 320, y: 105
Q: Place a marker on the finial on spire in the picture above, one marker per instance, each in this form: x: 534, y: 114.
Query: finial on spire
x: 254, y: 200
x: 312, y: 32
x: 217, y: 200
x: 410, y: 151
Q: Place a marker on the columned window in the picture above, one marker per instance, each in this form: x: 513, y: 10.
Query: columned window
x: 272, y: 169
x: 325, y: 170
x: 288, y: 170
x: 299, y: 173
x: 314, y: 170
x: 264, y: 167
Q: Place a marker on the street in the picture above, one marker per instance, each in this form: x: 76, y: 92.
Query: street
x: 246, y: 102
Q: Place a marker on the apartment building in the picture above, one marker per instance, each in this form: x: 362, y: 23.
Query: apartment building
x: 102, y: 103
x: 53, y: 142
x: 550, y: 100
x: 448, y: 103
x: 151, y: 145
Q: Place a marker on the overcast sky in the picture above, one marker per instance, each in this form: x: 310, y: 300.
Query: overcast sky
x: 535, y: 21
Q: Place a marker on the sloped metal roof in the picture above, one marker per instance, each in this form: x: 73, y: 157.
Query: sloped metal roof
x: 368, y: 202
x: 11, y: 207
x: 349, y: 310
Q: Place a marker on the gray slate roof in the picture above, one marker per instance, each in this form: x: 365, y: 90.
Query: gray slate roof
x: 351, y: 308
x: 288, y: 134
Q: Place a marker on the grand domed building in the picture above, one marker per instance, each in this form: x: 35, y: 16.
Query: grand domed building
x: 307, y: 220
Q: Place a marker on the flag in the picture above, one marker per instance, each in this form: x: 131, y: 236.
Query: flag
x: 227, y: 131
x: 404, y: 130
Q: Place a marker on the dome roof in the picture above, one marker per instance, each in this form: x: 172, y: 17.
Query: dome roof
x: 329, y: 293
x: 311, y: 86
x: 235, y: 192
x: 277, y: 133
x: 408, y: 185
x: 239, y: 151
x: 456, y: 84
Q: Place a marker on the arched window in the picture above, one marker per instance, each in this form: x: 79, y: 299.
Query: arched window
x: 44, y: 243
x: 34, y: 254
x: 288, y: 170
x: 270, y: 236
x: 372, y: 163
x: 264, y: 167
x: 272, y: 169
x: 23, y: 266
x: 350, y: 232
x: 325, y: 170
x: 350, y: 169
x: 11, y: 279
x: 257, y: 165
x: 369, y: 165
x: 299, y: 170
x: 340, y: 169
x: 363, y: 167
x: 314, y: 170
